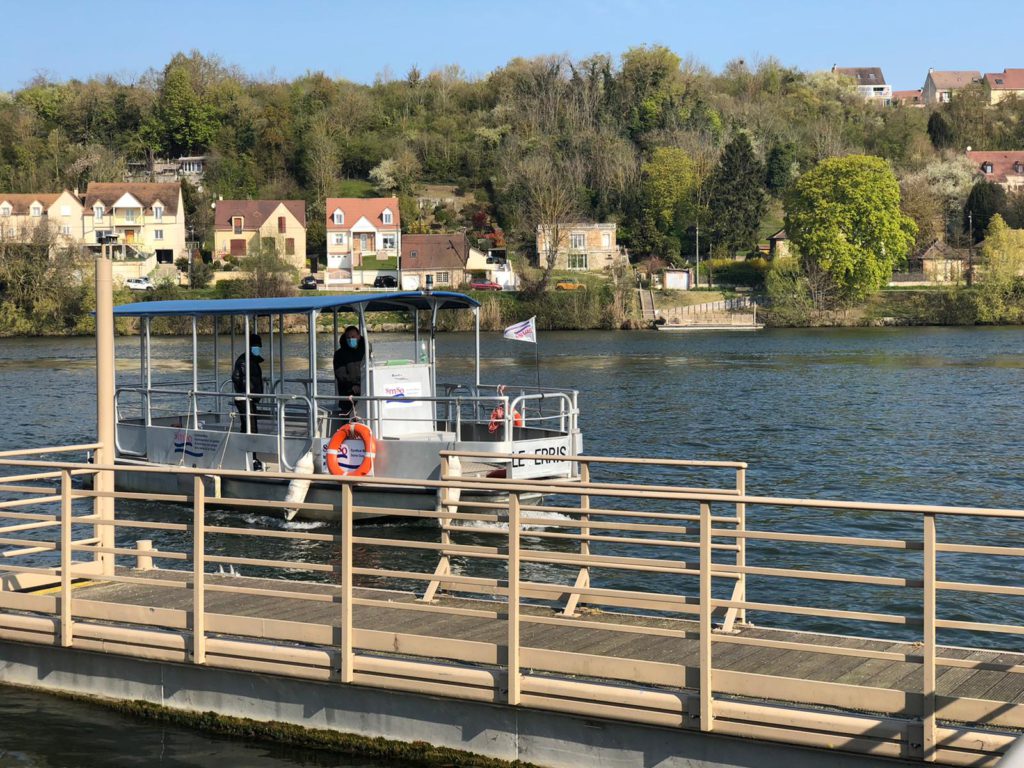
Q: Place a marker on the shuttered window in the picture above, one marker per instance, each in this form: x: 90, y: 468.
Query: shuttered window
x: 238, y: 247
x: 281, y: 226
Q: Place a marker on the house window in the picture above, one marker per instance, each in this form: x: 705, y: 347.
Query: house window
x: 65, y: 210
x: 129, y: 215
x: 289, y: 246
x: 65, y: 230
x: 388, y: 242
x: 339, y: 238
x: 577, y: 241
x: 606, y: 240
x: 5, y: 210
x: 236, y: 224
x: 282, y: 226
x: 97, y: 212
x: 364, y: 242
x: 158, y: 213
x: 986, y: 167
x: 338, y: 217
x: 238, y: 247
x: 387, y: 218
x: 578, y: 261
x: 158, y: 234
x: 1018, y: 167
x: 442, y: 278
x: 37, y: 210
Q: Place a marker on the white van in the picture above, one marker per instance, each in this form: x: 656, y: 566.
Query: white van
x: 139, y: 284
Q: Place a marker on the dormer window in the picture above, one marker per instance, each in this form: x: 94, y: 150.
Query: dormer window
x: 158, y: 213
x: 36, y: 210
x: 386, y: 217
x: 338, y: 218
x: 236, y: 224
x: 986, y: 167
x: 5, y: 210
x: 97, y: 211
x: 1018, y: 167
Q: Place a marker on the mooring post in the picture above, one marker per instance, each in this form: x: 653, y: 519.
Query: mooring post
x: 144, y: 562
x: 104, y: 455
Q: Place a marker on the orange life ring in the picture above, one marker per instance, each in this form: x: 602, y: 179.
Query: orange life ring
x: 352, y: 430
x: 498, y: 418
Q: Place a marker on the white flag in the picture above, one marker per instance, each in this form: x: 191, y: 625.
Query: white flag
x: 524, y: 331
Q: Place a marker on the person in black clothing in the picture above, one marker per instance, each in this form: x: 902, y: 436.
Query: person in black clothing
x: 255, y: 381
x: 348, y: 368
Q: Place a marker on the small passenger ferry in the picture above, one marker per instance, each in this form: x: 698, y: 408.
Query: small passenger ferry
x: 395, y: 427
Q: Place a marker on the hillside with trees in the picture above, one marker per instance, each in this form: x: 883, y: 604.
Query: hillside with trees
x: 655, y: 142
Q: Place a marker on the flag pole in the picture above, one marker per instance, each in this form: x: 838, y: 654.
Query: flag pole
x: 536, y: 357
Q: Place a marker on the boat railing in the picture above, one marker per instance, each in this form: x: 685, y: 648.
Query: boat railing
x: 192, y: 405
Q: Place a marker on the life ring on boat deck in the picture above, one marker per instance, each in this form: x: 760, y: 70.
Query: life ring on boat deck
x: 353, y: 430
x: 498, y: 418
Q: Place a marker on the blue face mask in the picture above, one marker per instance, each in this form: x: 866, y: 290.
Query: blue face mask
x: 256, y: 351
x: 352, y: 343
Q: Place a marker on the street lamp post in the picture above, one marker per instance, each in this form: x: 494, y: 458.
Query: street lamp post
x: 970, y: 247
x: 191, y: 251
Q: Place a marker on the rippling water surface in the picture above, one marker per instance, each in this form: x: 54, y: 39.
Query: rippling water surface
x: 890, y: 415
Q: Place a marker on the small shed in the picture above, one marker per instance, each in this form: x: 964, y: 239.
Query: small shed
x: 942, y: 263
x: 778, y: 245
x: 677, y: 279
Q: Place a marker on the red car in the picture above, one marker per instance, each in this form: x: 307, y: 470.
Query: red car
x: 484, y: 285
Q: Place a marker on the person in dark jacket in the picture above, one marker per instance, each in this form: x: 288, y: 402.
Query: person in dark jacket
x: 348, y: 368
x: 255, y: 381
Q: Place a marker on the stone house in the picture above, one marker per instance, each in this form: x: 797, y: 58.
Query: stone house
x: 238, y: 222
x: 580, y: 247
x: 359, y: 229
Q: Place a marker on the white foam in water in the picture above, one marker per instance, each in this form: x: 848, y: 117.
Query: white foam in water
x: 503, y: 524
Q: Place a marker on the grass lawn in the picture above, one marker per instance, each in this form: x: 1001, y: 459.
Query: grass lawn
x: 355, y: 188
x: 371, y: 262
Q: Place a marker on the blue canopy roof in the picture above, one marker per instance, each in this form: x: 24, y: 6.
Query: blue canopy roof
x: 372, y: 302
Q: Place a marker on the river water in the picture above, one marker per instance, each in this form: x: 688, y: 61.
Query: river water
x: 898, y: 415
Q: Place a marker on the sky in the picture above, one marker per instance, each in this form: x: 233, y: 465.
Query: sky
x: 359, y: 41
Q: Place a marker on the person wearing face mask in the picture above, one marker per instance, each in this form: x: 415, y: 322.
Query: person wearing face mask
x: 348, y: 368
x: 255, y: 381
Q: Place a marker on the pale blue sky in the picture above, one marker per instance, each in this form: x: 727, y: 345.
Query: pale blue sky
x: 357, y: 40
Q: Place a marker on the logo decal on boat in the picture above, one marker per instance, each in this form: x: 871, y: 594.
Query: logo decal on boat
x: 183, y: 444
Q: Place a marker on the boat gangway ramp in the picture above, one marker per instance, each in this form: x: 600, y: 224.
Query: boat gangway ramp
x: 601, y: 622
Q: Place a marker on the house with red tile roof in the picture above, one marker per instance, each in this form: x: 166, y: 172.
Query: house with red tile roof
x: 141, y: 220
x: 908, y: 98
x: 940, y: 85
x: 1009, y: 82
x: 1003, y: 168
x: 364, y: 236
x: 870, y: 83
x: 237, y: 223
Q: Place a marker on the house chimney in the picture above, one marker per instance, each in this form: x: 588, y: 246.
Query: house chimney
x: 930, y: 70
x: 75, y: 192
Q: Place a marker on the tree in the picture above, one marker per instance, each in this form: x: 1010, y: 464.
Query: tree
x: 184, y: 121
x: 267, y: 274
x: 939, y: 131
x: 738, y: 196
x: 669, y: 187
x: 844, y: 217
x: 1001, y: 282
x: 780, y: 167
x: 985, y: 201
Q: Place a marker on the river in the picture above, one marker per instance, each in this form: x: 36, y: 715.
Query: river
x: 923, y: 415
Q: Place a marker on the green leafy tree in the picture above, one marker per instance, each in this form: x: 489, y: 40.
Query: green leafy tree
x: 1001, y: 285
x: 939, y: 131
x: 780, y: 167
x: 985, y: 200
x: 267, y: 274
x: 844, y: 217
x: 185, y: 121
x: 737, y: 196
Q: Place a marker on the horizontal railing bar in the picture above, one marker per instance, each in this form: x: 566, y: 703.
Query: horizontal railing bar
x: 446, y: 578
x: 432, y: 515
x: 155, y: 553
x: 40, y: 451
x: 604, y: 512
x: 226, y: 501
x: 36, y: 489
x: 600, y: 459
x: 92, y: 519
x: 260, y: 563
x: 454, y: 549
x: 34, y: 526
x: 848, y: 578
x: 428, y: 608
x: 312, y: 597
x: 41, y: 516
x: 608, y: 627
x: 626, y: 540
x: 268, y: 534
x: 979, y: 626
x: 988, y: 589
x: 30, y: 476
x: 89, y: 493
x: 119, y: 578
x: 884, y: 618
x: 811, y: 538
x: 946, y: 661
x: 559, y: 486
x: 980, y: 549
x: 605, y: 526
x: 12, y: 503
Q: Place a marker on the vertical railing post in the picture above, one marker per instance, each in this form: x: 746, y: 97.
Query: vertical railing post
x: 739, y: 592
x: 347, y: 652
x: 513, y: 600
x: 706, y: 701
x: 66, y: 615
x: 198, y: 570
x: 443, y: 567
x: 583, y: 577
x: 105, y: 419
x: 928, y: 667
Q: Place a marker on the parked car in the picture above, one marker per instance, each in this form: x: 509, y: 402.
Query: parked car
x: 385, y: 281
x: 484, y: 285
x: 570, y: 284
x: 139, y: 284
x: 308, y: 283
